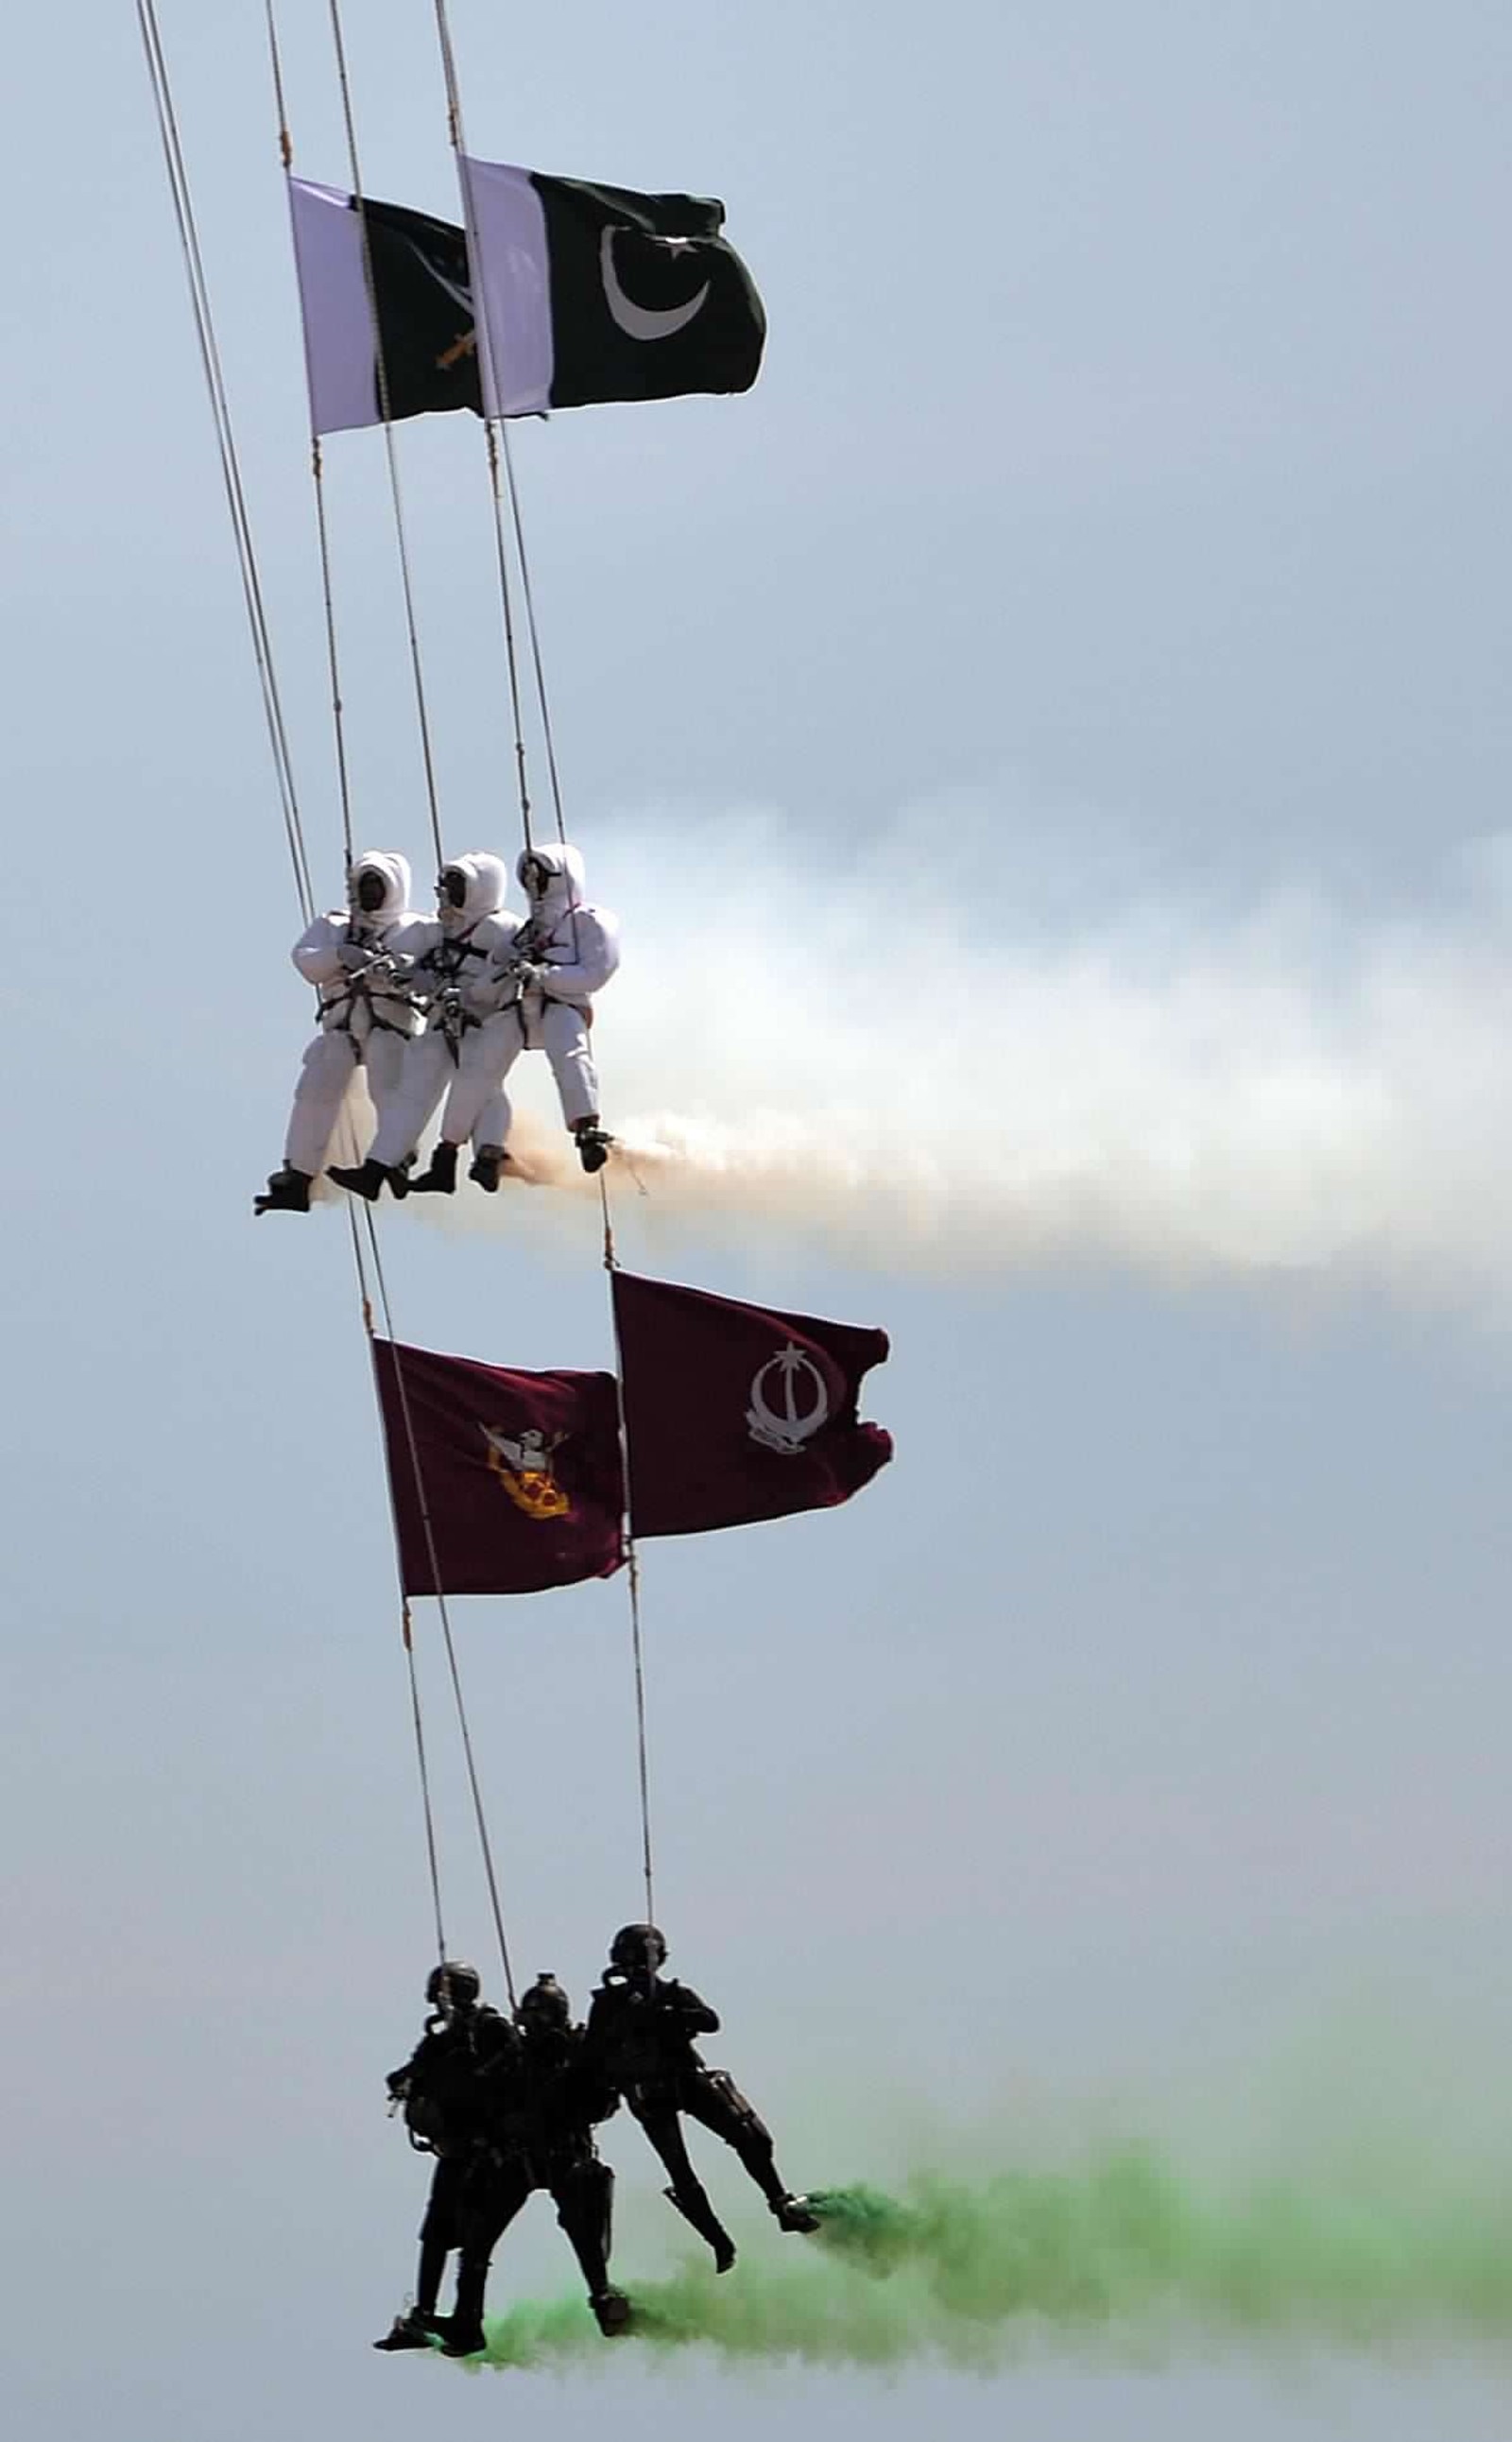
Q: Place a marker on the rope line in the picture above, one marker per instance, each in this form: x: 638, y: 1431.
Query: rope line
x: 500, y: 452
x: 285, y: 141
x: 241, y: 523
x: 343, y: 784
x: 531, y: 629
x: 484, y: 343
x: 385, y: 411
x: 339, y: 727
x: 632, y: 1568
x: 480, y: 1818
x: 511, y: 657
x: 225, y: 445
x: 368, y: 1221
x: 416, y: 1716
x: 370, y: 1262
x: 316, y: 466
x: 343, y: 779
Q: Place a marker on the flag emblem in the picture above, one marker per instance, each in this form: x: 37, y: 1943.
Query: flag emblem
x: 523, y: 1467
x: 646, y: 322
x: 787, y: 1431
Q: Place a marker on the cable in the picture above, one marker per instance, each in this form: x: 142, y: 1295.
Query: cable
x: 500, y: 451
x: 534, y: 635
x: 480, y: 1817
x: 632, y: 1566
x: 316, y: 466
x: 416, y: 1717
x: 226, y: 444
x: 434, y: 1565
x: 261, y: 645
x: 422, y: 712
x: 485, y: 347
x: 328, y: 599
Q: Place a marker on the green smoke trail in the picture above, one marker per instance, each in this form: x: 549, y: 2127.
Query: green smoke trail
x: 1117, y: 2256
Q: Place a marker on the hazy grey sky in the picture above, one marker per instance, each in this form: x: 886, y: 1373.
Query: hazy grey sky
x: 1129, y: 462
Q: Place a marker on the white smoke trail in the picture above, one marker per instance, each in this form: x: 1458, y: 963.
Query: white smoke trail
x: 892, y: 1056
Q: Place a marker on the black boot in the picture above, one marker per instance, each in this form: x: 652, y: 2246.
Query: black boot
x: 464, y: 2335
x: 593, y: 1145
x: 486, y: 1164
x: 368, y: 1181
x: 698, y: 2211
x: 464, y: 2340
x: 612, y: 2310
x: 441, y: 1178
x: 411, y: 2330
x: 794, y: 2213
x: 288, y: 1190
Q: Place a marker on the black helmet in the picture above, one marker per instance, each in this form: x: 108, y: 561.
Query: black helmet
x: 544, y: 2007
x: 452, y: 1985
x: 637, y: 1950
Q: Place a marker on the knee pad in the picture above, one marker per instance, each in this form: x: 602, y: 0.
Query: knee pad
x: 719, y: 2084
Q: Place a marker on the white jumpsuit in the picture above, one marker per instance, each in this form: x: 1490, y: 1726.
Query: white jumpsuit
x: 366, y: 1021
x: 465, y: 1059
x: 576, y: 946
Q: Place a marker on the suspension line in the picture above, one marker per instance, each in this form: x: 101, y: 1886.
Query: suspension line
x: 225, y: 445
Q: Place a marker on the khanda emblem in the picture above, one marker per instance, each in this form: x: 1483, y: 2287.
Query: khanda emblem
x: 523, y: 1467
x: 794, y: 1381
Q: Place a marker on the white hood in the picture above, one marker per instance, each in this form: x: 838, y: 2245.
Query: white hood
x: 486, y: 878
x: 394, y: 870
x: 565, y: 888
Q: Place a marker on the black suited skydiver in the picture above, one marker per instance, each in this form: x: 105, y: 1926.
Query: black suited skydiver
x: 640, y: 2039
x: 440, y: 2088
x: 507, y: 2108
x: 542, y: 2104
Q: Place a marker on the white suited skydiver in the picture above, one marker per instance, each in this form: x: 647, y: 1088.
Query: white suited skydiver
x: 564, y: 953
x: 464, y: 980
x: 361, y: 960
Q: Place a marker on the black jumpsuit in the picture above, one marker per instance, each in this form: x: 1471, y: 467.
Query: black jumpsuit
x: 641, y: 2039
x: 540, y: 2103
x: 441, y: 2086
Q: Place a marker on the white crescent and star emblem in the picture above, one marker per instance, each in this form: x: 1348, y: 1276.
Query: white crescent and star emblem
x: 645, y: 322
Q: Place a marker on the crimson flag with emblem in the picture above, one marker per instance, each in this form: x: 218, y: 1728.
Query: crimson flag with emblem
x: 503, y: 1482
x: 734, y: 1413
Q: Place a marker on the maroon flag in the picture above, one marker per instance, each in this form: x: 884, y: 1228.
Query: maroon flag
x: 519, y: 1474
x: 734, y: 1413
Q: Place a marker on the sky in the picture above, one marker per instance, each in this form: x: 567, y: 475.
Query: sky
x: 1047, y: 747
